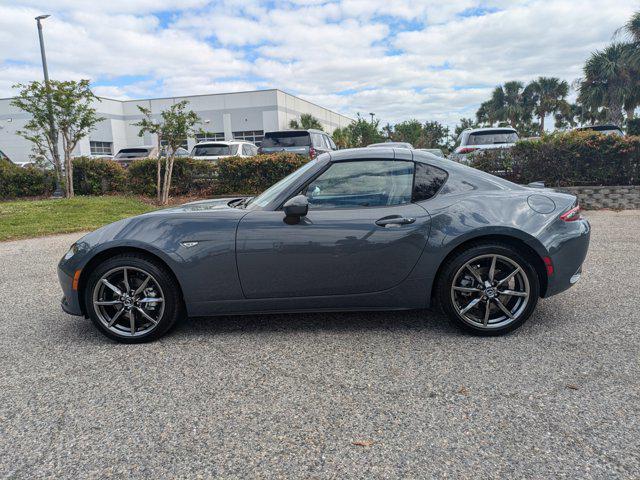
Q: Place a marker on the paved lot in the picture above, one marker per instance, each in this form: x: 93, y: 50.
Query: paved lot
x: 288, y: 395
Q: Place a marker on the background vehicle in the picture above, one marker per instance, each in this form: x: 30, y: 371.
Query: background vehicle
x: 372, y: 229
x: 309, y: 143
x: 126, y: 155
x: 216, y: 150
x: 474, y: 139
x: 605, y: 129
x: 434, y: 151
x: 391, y: 145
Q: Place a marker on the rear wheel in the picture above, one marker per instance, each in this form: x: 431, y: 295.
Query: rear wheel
x: 488, y: 289
x: 132, y: 298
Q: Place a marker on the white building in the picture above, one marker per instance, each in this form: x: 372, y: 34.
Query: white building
x: 241, y: 115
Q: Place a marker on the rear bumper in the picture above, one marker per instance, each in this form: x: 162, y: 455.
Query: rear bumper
x: 567, y: 256
x: 70, y: 301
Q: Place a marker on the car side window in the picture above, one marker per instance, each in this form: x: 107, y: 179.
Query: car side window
x: 245, y: 149
x: 428, y: 180
x: 331, y: 144
x: 365, y: 183
x: 234, y: 149
x: 317, y: 140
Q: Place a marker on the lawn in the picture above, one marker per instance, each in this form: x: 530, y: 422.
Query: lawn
x: 34, y: 218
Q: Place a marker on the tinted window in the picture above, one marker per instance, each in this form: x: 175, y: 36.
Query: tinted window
x: 132, y: 153
x: 491, y: 137
x: 367, y: 183
x: 210, y: 150
x: 427, y: 182
x: 286, y: 139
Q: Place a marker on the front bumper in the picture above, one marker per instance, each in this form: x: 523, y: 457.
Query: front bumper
x: 70, y: 302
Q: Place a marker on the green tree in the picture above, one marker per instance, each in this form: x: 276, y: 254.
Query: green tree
x: 435, y: 135
x: 306, y: 122
x: 607, y: 81
x: 408, y: 131
x: 364, y: 132
x: 73, y: 116
x: 510, y: 105
x: 549, y: 97
x: 174, y: 125
x: 463, y: 125
x: 342, y: 137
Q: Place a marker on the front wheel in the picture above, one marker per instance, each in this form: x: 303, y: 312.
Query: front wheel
x: 488, y: 289
x: 132, y: 298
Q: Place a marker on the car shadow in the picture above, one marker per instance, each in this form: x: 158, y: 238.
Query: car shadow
x: 286, y: 323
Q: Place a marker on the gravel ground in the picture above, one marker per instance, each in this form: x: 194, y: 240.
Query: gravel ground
x: 289, y: 396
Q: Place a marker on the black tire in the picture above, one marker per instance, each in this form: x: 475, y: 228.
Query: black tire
x: 172, y: 310
x: 455, y: 265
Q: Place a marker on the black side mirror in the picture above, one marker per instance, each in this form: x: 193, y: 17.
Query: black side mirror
x: 297, y: 206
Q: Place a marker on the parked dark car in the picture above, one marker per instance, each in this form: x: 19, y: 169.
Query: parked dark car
x: 605, y: 129
x: 360, y: 229
x: 309, y: 143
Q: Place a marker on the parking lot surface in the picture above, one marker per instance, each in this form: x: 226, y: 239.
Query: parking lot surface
x: 358, y: 395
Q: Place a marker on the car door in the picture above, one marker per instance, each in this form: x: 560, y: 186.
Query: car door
x: 361, y: 234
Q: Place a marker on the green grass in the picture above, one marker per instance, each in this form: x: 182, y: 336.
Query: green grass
x: 35, y: 218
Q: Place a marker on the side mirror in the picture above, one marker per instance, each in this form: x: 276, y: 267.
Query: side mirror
x: 297, y: 206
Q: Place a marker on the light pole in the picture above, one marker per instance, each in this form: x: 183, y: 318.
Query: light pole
x: 372, y: 115
x: 52, y: 126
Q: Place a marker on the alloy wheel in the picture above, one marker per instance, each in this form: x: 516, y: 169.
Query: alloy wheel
x: 490, y: 291
x: 128, y: 301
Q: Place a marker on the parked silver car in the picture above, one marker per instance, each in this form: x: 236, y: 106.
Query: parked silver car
x: 309, y: 143
x: 391, y: 145
x: 472, y: 140
x: 605, y: 129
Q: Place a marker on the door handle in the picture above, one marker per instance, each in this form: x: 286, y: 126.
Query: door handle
x: 394, y: 221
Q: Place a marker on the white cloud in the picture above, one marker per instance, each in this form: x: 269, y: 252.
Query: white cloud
x: 400, y: 59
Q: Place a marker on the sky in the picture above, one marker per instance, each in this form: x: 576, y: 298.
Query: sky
x: 401, y: 59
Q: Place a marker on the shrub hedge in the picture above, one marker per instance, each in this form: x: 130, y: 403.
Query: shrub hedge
x: 97, y: 177
x: 566, y: 159
x: 190, y: 177
x: 24, y: 182
x: 252, y: 175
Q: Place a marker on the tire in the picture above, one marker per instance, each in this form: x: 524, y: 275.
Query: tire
x: 158, y: 299
x: 476, y: 307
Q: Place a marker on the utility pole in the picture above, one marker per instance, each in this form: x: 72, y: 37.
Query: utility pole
x: 372, y: 115
x: 54, y: 133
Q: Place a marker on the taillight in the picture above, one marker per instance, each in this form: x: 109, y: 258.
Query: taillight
x: 312, y: 152
x: 467, y: 150
x: 571, y: 215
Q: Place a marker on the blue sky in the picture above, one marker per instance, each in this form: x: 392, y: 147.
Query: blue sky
x: 429, y: 60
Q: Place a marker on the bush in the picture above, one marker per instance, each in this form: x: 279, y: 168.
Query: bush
x: 24, y: 182
x: 190, y: 177
x: 633, y: 126
x: 97, y: 177
x: 252, y: 175
x: 566, y: 159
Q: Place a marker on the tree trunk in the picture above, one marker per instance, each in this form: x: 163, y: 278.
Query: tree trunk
x: 167, y: 179
x: 542, y: 115
x: 68, y: 165
x: 158, y: 181
x: 614, y: 113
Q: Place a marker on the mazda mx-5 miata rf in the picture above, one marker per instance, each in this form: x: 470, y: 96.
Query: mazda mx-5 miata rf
x: 359, y: 229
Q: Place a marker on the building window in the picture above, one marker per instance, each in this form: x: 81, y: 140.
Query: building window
x: 101, y: 148
x: 210, y: 137
x: 183, y: 144
x: 254, y: 136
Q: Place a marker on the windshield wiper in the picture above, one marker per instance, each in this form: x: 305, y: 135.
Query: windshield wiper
x: 240, y: 203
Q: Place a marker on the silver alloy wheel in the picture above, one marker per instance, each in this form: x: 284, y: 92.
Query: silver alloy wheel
x: 490, y: 291
x: 128, y: 301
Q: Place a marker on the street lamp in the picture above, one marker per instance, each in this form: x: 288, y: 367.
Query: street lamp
x: 52, y: 126
x: 372, y: 115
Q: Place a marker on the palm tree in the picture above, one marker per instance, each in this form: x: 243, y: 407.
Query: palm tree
x: 306, y: 122
x: 549, y: 97
x: 607, y: 81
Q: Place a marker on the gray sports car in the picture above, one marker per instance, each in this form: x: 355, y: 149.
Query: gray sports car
x: 360, y: 229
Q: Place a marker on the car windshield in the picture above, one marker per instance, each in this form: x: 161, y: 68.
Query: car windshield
x: 133, y: 153
x: 604, y: 129
x: 489, y: 137
x: 212, y: 150
x: 286, y: 139
x: 272, y: 192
